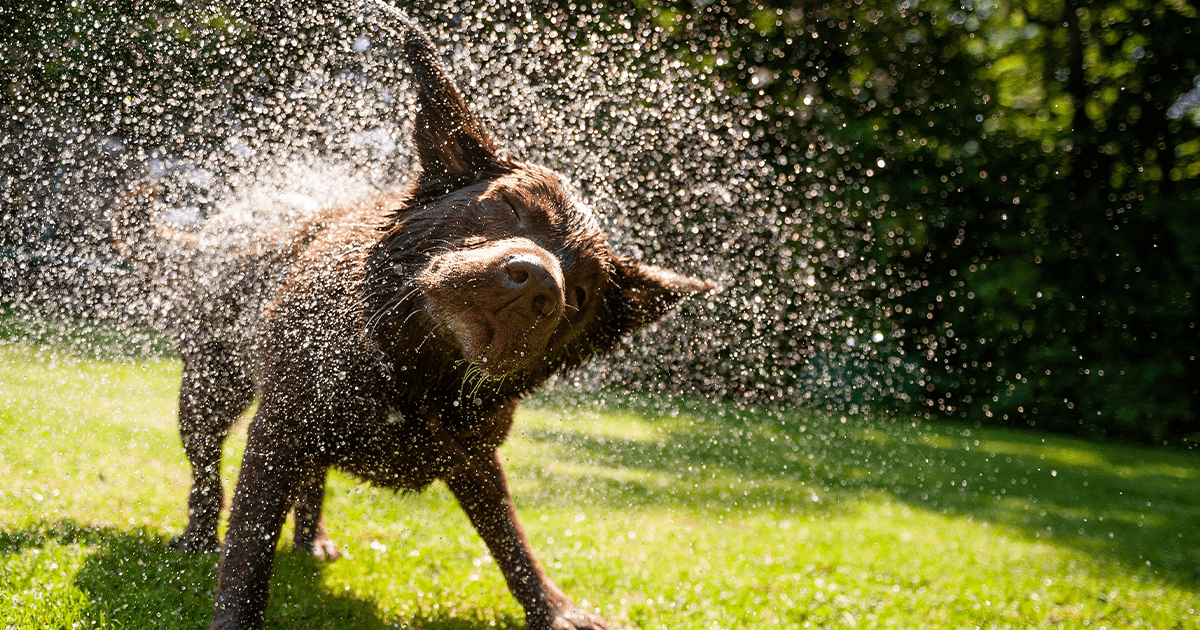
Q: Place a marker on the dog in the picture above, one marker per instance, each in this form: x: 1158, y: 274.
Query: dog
x: 393, y: 339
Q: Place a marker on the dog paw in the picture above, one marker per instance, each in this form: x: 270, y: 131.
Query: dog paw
x: 323, y: 548
x: 576, y: 618
x: 571, y: 617
x: 192, y: 542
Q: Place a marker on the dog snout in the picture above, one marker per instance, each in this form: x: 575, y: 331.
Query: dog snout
x: 534, y: 286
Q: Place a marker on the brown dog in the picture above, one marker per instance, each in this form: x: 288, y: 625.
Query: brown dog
x: 393, y: 339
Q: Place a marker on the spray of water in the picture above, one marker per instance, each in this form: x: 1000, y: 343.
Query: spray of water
x: 244, y: 119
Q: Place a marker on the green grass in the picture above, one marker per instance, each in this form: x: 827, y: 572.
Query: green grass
x: 663, y: 515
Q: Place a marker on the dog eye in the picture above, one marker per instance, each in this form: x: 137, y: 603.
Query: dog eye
x: 516, y: 213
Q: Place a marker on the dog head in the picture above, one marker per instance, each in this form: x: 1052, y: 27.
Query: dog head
x: 495, y: 259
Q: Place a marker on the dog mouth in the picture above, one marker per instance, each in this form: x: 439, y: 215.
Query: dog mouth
x: 502, y: 343
x: 498, y: 351
x: 500, y: 308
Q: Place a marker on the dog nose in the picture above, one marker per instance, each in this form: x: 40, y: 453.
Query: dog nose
x: 537, y: 290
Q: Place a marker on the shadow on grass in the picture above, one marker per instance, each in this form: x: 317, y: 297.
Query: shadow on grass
x: 134, y: 581
x: 1134, y: 505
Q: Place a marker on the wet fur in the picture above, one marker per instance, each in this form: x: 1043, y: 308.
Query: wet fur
x: 392, y: 339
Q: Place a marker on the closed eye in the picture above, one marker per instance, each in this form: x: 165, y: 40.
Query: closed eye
x: 516, y: 213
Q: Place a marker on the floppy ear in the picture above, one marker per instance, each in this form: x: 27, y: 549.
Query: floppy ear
x: 453, y: 146
x: 642, y: 294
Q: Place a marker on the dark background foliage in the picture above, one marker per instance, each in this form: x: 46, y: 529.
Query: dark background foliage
x: 1033, y: 196
x: 1007, y: 190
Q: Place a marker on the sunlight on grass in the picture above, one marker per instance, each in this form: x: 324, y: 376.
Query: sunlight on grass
x: 613, y: 424
x: 662, y: 514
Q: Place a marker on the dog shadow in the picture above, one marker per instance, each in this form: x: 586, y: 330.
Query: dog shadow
x: 131, y: 579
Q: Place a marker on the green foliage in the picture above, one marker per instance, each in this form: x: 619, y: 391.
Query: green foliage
x: 1058, y: 290
x: 664, y: 514
x: 1025, y: 177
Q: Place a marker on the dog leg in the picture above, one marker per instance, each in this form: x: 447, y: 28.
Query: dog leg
x: 213, y: 394
x: 267, y: 485
x: 310, y: 536
x: 491, y: 511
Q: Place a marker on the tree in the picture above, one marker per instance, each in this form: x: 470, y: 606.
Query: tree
x: 1031, y: 208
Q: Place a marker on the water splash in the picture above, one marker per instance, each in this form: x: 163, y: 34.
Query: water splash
x: 253, y: 117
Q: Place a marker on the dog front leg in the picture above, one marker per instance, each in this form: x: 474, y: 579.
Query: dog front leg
x: 483, y: 494
x: 266, y: 488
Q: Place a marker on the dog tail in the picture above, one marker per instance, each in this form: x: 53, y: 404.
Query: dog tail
x: 137, y: 233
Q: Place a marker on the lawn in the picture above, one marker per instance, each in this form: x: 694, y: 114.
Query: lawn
x: 662, y: 514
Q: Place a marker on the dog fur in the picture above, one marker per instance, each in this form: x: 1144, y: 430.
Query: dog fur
x: 392, y: 339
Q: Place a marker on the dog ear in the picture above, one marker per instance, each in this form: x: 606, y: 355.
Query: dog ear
x: 643, y: 294
x: 453, y: 146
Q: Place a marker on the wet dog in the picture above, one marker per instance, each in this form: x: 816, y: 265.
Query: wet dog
x: 392, y: 339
